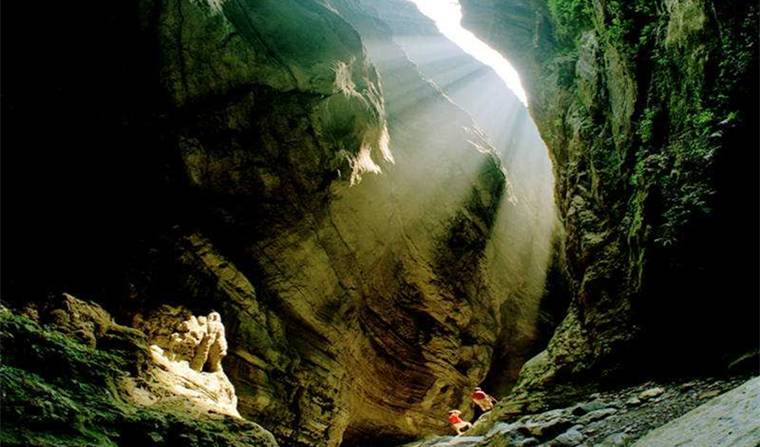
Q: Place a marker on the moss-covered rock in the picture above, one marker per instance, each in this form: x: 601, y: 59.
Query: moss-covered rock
x: 646, y: 109
x: 58, y: 391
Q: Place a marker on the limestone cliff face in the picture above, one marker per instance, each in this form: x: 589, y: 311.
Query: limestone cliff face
x: 349, y: 223
x: 645, y: 107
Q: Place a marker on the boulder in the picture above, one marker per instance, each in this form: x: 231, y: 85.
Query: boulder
x: 587, y: 407
x: 570, y: 438
x: 651, y: 393
x: 596, y: 415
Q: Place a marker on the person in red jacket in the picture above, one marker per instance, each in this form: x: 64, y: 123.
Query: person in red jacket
x: 457, y: 422
x: 483, y: 400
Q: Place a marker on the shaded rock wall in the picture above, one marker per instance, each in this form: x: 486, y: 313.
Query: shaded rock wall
x: 241, y: 76
x: 332, y: 298
x: 646, y: 109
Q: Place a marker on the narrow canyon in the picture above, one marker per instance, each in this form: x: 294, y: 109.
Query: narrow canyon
x: 326, y: 222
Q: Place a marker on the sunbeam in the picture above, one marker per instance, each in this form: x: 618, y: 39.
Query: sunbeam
x: 447, y: 15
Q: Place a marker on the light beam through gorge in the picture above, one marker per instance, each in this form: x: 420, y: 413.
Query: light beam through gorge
x: 447, y: 15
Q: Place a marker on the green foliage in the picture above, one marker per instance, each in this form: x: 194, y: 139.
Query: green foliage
x: 703, y: 119
x: 646, y: 125
x: 648, y: 167
x: 631, y: 26
x: 571, y: 18
x: 618, y: 26
x: 692, y: 201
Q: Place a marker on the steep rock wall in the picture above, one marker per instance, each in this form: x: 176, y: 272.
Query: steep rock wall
x: 354, y: 246
x: 527, y: 221
x: 646, y: 109
x: 241, y: 157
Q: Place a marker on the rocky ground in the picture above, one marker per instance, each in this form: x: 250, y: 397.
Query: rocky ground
x: 614, y: 418
x: 69, y: 377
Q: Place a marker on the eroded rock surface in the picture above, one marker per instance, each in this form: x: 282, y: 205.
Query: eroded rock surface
x: 187, y: 354
x: 731, y: 419
x: 85, y: 321
x: 198, y: 341
x: 527, y: 225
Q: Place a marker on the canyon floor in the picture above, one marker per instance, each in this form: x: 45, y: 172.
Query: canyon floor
x: 698, y: 412
x: 62, y: 362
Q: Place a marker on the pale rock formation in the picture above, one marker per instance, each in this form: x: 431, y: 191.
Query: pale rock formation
x: 187, y: 352
x: 184, y: 370
x: 200, y: 342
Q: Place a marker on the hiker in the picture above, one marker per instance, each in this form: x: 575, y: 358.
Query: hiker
x: 482, y: 400
x: 457, y: 422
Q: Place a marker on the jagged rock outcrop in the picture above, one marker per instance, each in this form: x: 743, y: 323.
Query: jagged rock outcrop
x: 86, y: 322
x: 645, y: 108
x: 75, y: 377
x: 199, y: 341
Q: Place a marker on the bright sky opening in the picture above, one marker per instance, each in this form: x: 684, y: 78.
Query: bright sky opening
x: 447, y: 15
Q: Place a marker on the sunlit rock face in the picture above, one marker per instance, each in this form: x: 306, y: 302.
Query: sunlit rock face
x: 187, y: 352
x: 350, y: 228
x: 646, y: 111
x: 527, y: 219
x: 183, y: 369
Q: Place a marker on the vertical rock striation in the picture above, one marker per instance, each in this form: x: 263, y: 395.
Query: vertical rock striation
x: 646, y: 109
